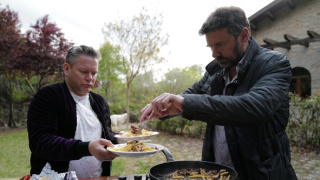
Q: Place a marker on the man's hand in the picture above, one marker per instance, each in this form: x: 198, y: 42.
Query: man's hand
x: 98, y: 150
x: 163, y: 105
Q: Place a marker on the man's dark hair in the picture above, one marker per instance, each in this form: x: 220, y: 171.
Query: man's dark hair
x: 232, y: 18
x: 77, y: 51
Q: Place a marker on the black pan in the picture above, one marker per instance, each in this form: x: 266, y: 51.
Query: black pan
x: 161, y: 171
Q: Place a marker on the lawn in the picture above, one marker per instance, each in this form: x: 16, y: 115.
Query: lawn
x: 15, y: 154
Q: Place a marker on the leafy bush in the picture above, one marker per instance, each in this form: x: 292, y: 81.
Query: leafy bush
x: 304, y: 122
x: 179, y: 125
x: 195, y: 128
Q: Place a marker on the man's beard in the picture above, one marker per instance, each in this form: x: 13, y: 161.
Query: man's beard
x: 233, y: 61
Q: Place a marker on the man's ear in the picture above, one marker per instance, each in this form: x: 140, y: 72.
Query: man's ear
x: 244, y: 35
x: 66, y: 68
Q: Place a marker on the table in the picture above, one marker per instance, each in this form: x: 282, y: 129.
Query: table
x: 129, y: 177
x: 100, y: 178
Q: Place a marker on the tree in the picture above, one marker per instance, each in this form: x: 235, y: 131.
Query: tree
x: 177, y: 80
x: 46, y: 53
x: 143, y: 88
x: 109, y: 69
x: 139, y: 41
x: 12, y: 45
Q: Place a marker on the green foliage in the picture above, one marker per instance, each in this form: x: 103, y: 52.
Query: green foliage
x: 143, y: 88
x: 110, y: 68
x: 177, y: 80
x: 179, y: 125
x: 304, y: 122
x: 117, y: 107
x: 21, y: 91
x: 19, y: 95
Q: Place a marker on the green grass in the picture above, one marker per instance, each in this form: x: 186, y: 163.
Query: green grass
x: 14, y: 154
x: 143, y: 167
x: 118, y: 167
x: 15, y: 158
x: 124, y: 165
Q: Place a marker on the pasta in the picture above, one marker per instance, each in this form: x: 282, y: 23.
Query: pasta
x: 134, y: 146
x: 200, y: 173
x: 143, y: 133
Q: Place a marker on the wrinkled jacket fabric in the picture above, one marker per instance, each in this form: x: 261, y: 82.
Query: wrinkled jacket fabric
x: 52, y: 122
x: 254, y: 111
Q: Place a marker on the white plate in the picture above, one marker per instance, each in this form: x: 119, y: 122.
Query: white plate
x: 136, y: 154
x: 126, y: 139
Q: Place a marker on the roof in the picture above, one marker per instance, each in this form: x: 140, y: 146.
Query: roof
x: 270, y: 10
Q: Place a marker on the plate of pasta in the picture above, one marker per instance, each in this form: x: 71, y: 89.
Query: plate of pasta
x: 127, y: 136
x: 135, y: 148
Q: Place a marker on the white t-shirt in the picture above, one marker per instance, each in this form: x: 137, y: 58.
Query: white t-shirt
x: 88, y: 129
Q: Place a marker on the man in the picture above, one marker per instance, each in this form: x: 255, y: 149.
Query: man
x: 68, y: 125
x: 243, y: 98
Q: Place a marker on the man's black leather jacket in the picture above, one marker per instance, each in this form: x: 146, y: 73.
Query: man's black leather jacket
x: 254, y: 111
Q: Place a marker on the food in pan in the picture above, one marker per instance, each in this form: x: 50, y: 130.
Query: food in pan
x: 134, y: 131
x: 200, y: 173
x: 134, y: 146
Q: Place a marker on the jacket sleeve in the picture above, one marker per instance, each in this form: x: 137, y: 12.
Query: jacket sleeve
x: 45, y: 127
x: 263, y: 90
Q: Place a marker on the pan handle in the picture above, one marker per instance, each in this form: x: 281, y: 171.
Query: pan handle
x: 168, y: 155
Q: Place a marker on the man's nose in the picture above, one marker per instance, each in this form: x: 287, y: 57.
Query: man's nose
x: 215, y: 52
x: 89, y: 76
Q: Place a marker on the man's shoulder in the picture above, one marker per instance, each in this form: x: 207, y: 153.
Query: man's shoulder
x: 263, y: 54
x: 270, y: 55
x: 53, y: 87
x: 52, y: 91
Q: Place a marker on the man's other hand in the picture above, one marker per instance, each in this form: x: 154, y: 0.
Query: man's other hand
x: 98, y: 150
x: 163, y: 105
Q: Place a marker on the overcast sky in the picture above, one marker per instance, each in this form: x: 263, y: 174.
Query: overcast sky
x: 82, y: 21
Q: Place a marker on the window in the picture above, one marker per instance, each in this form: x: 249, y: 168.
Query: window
x: 300, y: 82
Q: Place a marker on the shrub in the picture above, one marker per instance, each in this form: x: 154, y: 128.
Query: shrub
x: 304, y: 122
x: 179, y: 125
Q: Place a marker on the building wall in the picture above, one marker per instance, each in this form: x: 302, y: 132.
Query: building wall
x: 295, y: 22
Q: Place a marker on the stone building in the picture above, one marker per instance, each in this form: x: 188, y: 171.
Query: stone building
x: 292, y: 27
